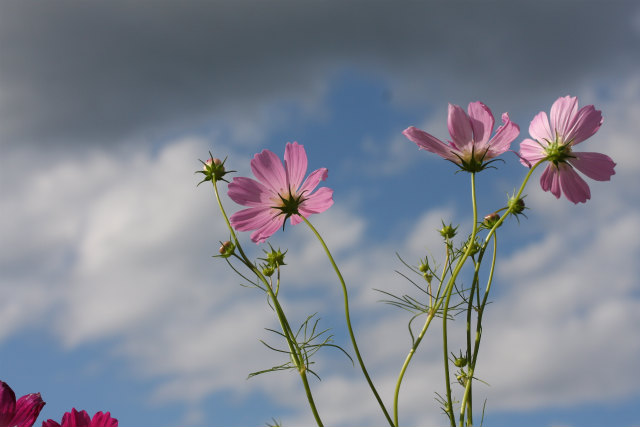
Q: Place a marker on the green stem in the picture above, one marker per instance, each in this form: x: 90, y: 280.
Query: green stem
x: 348, y: 318
x: 432, y: 311
x: 294, y: 348
x: 448, y: 291
x: 472, y: 363
x: 467, y: 397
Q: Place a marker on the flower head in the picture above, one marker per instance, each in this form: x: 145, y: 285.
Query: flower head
x: 554, y: 141
x: 213, y: 170
x: 470, y: 146
x: 81, y: 419
x: 22, y: 413
x: 279, y: 193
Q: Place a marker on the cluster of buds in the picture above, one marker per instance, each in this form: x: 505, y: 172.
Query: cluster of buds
x: 274, y: 259
x: 425, y: 270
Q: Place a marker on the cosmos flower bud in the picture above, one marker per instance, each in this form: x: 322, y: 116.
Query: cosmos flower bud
x: 448, y: 231
x: 213, y: 170
x: 462, y: 378
x: 268, y: 270
x: 491, y: 220
x: 460, y: 361
x: 516, y: 206
x: 226, y: 249
x: 475, y: 247
x: 275, y: 258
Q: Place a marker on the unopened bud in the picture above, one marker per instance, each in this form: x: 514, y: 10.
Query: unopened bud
x: 491, y: 219
x: 213, y: 170
x: 275, y: 258
x: 460, y: 362
x: 226, y: 249
x: 462, y: 378
x: 475, y: 247
x: 268, y: 270
x: 516, y: 206
x: 448, y: 231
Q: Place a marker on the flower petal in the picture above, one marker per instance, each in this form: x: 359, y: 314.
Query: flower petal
x: 50, y: 423
x: 594, y: 165
x: 249, y: 192
x: 539, y: 129
x: 295, y: 164
x: 585, y: 124
x: 482, y: 122
x: 76, y: 419
x: 503, y: 138
x: 318, y: 202
x: 251, y: 218
x: 103, y: 420
x: 312, y: 181
x: 549, y: 180
x: 267, y: 167
x: 573, y: 186
x: 7, y: 403
x: 460, y: 128
x: 430, y: 143
x: 563, y: 112
x: 531, y: 151
x: 28, y: 408
x: 267, y: 229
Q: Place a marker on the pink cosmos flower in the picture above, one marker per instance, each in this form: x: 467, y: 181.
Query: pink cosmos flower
x: 470, y: 147
x: 554, y: 142
x: 22, y: 413
x: 279, y: 193
x: 82, y: 419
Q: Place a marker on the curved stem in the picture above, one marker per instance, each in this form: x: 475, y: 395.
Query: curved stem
x: 432, y: 311
x: 294, y: 348
x: 348, y: 319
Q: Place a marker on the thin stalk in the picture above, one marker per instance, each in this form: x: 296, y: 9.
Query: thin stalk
x: 472, y: 366
x: 348, y: 319
x: 474, y: 289
x: 294, y: 348
x: 448, y: 291
x: 414, y: 347
x: 467, y: 397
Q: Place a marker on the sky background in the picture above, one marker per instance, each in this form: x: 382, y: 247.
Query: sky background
x: 110, y: 299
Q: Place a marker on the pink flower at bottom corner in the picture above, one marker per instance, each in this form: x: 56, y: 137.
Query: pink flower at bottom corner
x: 20, y: 413
x: 81, y: 419
x: 279, y: 193
x: 554, y: 139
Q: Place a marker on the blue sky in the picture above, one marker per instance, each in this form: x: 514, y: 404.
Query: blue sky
x: 109, y: 297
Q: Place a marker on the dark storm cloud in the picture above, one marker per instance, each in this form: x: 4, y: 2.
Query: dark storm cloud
x: 100, y: 71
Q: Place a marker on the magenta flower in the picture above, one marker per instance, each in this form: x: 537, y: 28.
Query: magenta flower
x: 470, y: 147
x: 22, y: 413
x: 82, y: 419
x: 554, y: 142
x: 279, y: 193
